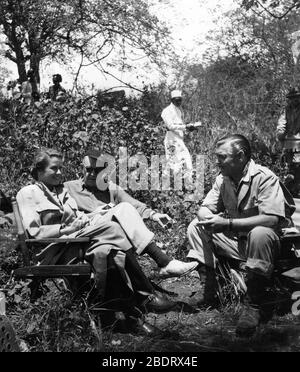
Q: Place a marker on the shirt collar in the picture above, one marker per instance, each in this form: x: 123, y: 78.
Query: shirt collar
x: 82, y: 184
x: 56, y: 195
x: 250, y: 171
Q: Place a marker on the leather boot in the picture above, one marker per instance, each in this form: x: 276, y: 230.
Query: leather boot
x: 249, y: 319
x: 208, y: 296
x: 156, y: 302
x: 251, y: 314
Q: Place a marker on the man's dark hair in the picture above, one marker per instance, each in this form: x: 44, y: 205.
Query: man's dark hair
x: 41, y: 160
x: 238, y: 142
x: 57, y: 77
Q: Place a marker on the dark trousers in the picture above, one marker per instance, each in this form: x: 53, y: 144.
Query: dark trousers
x: 117, y: 293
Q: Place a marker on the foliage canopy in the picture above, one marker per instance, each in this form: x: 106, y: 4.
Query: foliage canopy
x: 93, y: 29
x: 278, y: 9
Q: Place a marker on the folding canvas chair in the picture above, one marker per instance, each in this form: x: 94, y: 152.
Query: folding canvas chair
x: 37, y: 272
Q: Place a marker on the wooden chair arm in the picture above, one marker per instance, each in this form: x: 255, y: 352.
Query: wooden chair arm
x: 52, y: 271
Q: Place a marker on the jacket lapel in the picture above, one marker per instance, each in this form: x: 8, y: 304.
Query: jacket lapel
x: 49, y: 195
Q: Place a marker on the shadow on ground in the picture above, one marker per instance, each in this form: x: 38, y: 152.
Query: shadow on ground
x: 208, y: 331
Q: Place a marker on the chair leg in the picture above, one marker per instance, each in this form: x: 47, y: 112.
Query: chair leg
x: 36, y: 290
x: 78, y: 286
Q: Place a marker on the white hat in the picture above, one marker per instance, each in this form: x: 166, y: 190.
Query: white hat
x: 176, y: 94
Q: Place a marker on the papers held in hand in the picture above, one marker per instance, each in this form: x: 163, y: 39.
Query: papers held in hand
x: 290, y: 231
x: 197, y: 124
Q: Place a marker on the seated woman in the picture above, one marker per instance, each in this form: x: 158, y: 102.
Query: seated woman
x: 48, y: 211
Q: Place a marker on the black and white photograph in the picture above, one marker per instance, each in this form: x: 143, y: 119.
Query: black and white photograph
x: 150, y: 179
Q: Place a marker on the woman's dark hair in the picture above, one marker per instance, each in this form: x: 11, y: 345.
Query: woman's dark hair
x: 238, y: 142
x: 41, y: 160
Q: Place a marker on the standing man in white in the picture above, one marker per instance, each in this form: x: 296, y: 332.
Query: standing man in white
x: 177, y: 153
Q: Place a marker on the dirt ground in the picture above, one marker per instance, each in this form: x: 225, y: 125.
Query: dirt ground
x: 210, y: 331
x: 206, y: 331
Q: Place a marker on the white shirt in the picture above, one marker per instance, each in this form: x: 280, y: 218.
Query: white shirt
x: 173, y: 119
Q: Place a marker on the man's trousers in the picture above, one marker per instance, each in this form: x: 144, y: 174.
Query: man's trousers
x: 131, y: 223
x: 258, y: 249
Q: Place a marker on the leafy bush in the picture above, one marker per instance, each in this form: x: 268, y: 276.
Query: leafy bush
x: 53, y: 322
x: 71, y: 127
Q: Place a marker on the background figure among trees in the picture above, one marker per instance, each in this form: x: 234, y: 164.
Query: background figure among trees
x: 288, y: 133
x: 35, y: 94
x: 14, y: 89
x: 177, y: 154
x: 56, y: 91
x: 27, y: 91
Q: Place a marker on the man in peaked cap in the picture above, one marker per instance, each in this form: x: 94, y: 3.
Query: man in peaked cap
x: 177, y: 153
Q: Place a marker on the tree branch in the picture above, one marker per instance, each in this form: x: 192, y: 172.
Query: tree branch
x: 78, y: 72
x: 102, y: 70
x: 99, y: 58
x: 276, y: 15
x: 9, y: 56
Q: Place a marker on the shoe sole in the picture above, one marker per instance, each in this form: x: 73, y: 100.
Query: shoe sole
x: 177, y: 276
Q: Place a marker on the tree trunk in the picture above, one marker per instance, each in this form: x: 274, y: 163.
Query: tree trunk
x: 19, y: 59
x: 35, y: 61
x: 21, y: 70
